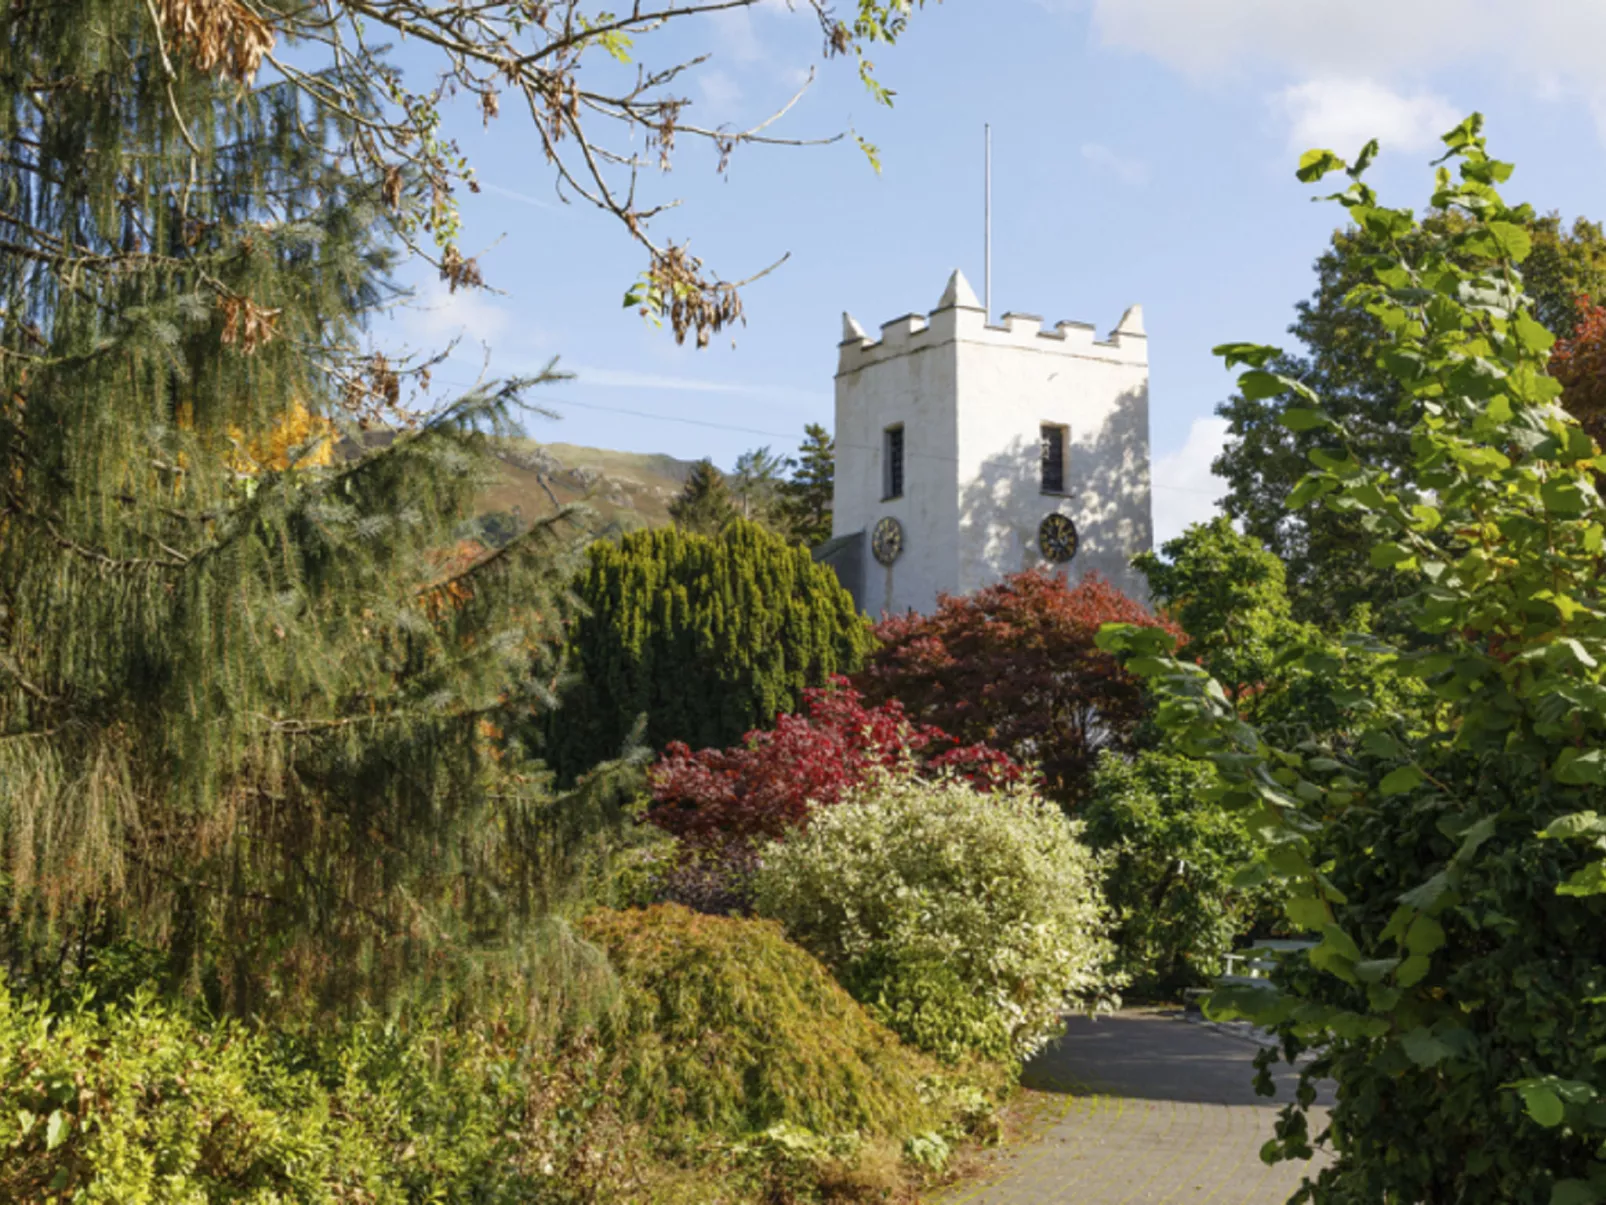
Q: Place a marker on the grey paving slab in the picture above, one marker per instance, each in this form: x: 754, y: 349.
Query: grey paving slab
x: 1148, y: 1109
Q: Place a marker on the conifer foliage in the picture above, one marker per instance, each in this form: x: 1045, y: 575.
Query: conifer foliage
x: 807, y: 496
x: 704, y: 505
x: 245, y: 711
x: 708, y: 637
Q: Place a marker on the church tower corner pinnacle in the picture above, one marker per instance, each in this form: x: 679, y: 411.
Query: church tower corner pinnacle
x: 958, y: 295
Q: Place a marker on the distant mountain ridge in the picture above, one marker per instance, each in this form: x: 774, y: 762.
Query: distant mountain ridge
x: 625, y: 490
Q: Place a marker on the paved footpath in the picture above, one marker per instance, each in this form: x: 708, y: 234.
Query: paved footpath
x: 1145, y: 1108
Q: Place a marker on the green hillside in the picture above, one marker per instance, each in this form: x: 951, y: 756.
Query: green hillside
x: 625, y: 490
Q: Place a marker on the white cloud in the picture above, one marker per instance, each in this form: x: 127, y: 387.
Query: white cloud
x: 1306, y: 37
x: 751, y: 50
x: 1342, y: 114
x: 1126, y: 170
x: 1185, y: 490
x: 436, y: 316
x: 617, y: 378
x: 737, y: 33
x: 721, y: 96
x: 1549, y: 46
x: 733, y: 29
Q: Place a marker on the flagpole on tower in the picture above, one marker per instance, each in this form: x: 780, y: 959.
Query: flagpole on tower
x: 987, y: 222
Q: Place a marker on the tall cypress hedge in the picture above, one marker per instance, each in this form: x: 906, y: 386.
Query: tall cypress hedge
x: 708, y: 636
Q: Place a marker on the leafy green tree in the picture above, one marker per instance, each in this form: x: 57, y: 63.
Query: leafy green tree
x: 1264, y: 460
x: 1228, y: 594
x: 1171, y: 852
x: 250, y: 709
x: 807, y: 496
x: 704, y: 505
x: 755, y: 483
x: 708, y: 637
x: 1446, y: 859
x: 1564, y: 265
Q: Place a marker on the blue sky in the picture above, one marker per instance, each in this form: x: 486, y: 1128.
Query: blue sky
x: 1143, y: 152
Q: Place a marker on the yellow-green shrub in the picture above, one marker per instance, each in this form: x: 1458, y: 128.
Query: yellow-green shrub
x: 136, y: 1103
x: 730, y: 1067
x: 726, y: 1027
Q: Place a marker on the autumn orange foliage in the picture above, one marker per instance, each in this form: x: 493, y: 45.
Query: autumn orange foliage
x: 1579, y: 363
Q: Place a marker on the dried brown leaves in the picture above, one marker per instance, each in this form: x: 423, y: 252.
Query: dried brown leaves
x: 457, y: 271
x: 690, y: 301
x: 247, y: 325
x: 372, y: 394
x: 391, y: 189
x: 222, y: 37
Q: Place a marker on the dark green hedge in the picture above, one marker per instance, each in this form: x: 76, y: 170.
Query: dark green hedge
x: 708, y: 636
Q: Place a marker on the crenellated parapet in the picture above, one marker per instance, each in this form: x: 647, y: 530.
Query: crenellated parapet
x: 959, y: 317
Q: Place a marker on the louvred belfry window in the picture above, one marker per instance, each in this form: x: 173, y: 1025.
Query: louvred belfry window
x: 892, y: 462
x: 1054, y: 440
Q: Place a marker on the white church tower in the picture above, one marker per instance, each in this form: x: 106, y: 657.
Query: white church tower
x: 966, y: 451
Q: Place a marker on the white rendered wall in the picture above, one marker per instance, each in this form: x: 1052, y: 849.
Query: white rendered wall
x: 973, y: 399
x: 912, y: 383
x: 1012, y: 380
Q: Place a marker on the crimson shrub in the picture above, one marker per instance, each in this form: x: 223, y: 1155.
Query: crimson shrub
x: 1015, y: 666
x: 726, y: 800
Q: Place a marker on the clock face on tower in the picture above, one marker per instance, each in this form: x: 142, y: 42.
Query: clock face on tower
x: 887, y: 540
x: 1057, y: 539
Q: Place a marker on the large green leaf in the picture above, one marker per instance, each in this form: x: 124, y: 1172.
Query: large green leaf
x: 1315, y: 164
x: 1300, y: 418
x: 1543, y: 1105
x: 1575, y: 1192
x: 1579, y: 824
x: 1582, y: 766
x: 1308, y: 912
x: 1423, y: 1049
x: 1400, y: 780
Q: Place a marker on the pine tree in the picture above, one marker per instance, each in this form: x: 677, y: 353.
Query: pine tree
x: 807, y: 497
x: 707, y: 637
x: 704, y: 505
x: 250, y: 707
x: 756, y: 485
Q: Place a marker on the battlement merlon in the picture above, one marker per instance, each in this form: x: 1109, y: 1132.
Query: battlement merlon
x: 959, y: 317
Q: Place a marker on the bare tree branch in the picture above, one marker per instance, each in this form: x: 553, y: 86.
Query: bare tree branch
x: 538, y: 49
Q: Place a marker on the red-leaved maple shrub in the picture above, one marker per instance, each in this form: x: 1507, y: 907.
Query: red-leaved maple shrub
x: 1015, y: 666
x: 725, y: 801
x: 1579, y: 363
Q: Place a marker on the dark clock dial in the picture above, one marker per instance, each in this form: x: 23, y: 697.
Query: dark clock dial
x: 1057, y: 539
x: 887, y: 540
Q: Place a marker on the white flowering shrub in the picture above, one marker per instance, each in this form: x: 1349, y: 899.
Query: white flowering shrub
x: 966, y: 922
